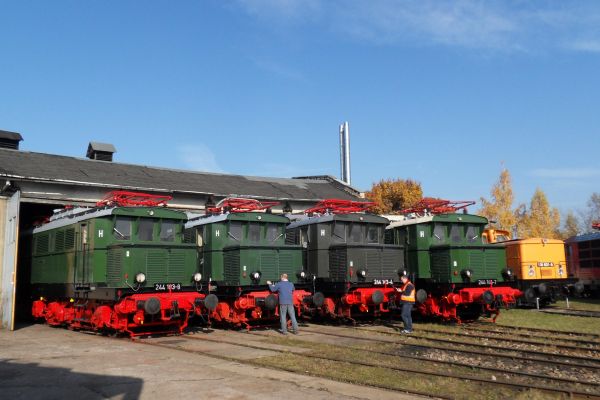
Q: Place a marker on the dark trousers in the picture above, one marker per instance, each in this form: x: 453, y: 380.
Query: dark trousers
x: 406, y: 315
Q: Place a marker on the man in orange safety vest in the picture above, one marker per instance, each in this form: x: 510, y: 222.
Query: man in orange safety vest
x: 407, y: 299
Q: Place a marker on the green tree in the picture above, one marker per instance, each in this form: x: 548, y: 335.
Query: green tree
x: 391, y: 195
x: 499, y: 208
x: 571, y: 227
x: 540, y: 220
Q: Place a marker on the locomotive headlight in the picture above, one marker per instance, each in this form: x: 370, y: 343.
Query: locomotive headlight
x: 140, y: 277
x: 197, y: 277
x: 255, y: 276
x: 402, y: 272
x: 302, y: 274
x: 362, y: 273
x: 466, y: 274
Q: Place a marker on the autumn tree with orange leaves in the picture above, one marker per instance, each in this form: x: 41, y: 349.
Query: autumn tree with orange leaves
x: 391, y: 195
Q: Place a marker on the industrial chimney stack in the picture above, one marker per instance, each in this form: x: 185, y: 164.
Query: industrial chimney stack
x: 345, y: 152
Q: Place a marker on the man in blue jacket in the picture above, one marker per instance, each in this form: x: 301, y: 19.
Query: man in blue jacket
x: 285, y: 289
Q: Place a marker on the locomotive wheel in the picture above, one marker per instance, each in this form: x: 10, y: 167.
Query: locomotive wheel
x: 377, y: 297
x: 152, y: 306
x: 543, y: 288
x: 530, y: 295
x: 271, y: 302
x: 318, y: 299
x: 421, y: 296
x: 211, y: 301
x: 488, y: 297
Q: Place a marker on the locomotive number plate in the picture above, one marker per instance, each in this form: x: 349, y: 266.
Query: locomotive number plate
x: 486, y: 282
x: 383, y: 282
x: 167, y: 286
x: 545, y: 264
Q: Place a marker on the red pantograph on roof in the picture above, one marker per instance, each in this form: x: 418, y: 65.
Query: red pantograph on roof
x: 124, y: 198
x: 596, y: 225
x: 438, y: 206
x: 238, y: 204
x: 336, y: 206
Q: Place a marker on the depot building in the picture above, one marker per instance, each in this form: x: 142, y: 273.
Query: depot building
x: 32, y: 185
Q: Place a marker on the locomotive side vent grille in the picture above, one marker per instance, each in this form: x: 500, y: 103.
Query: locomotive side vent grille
x: 338, y: 264
x: 285, y: 263
x: 59, y: 243
x: 70, y: 239
x: 440, y: 266
x: 491, y: 264
x: 156, y: 261
x: 268, y: 265
x: 291, y: 237
x: 114, y: 267
x: 392, y: 260
x: 477, y: 264
x: 42, y: 243
x: 232, y: 266
x: 177, y: 267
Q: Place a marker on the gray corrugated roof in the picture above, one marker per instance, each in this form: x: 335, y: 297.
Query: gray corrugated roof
x: 48, y: 167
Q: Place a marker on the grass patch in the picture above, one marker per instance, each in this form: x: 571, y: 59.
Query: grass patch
x: 580, y: 304
x: 397, y: 380
x: 535, y: 319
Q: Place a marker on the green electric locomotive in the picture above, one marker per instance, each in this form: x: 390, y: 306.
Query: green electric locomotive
x: 345, y: 254
x: 239, y: 250
x: 457, y: 275
x: 121, y: 266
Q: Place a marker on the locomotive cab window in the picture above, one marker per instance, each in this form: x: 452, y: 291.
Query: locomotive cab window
x: 274, y: 232
x: 235, y: 230
x: 145, y: 229
x: 338, y: 233
x: 439, y: 233
x: 455, y: 233
x: 167, y: 230
x: 356, y: 233
x: 472, y: 234
x: 122, y: 228
x: 254, y: 232
x: 373, y: 233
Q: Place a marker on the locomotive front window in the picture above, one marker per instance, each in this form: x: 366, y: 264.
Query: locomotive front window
x: 254, y: 232
x: 373, y: 234
x: 145, y: 229
x: 167, y: 231
x: 122, y: 228
x: 235, y: 230
x: 455, y: 233
x: 356, y: 233
x: 472, y: 234
x: 501, y: 238
x: 439, y: 233
x: 339, y: 232
x: 274, y: 232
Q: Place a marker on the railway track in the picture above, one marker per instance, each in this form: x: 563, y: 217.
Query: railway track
x: 511, y: 329
x: 584, y: 345
x: 534, y: 334
x: 505, y: 353
x: 575, y: 313
x: 591, y: 392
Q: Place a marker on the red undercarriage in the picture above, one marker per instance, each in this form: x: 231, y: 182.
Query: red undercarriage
x: 448, y: 306
x: 136, y: 315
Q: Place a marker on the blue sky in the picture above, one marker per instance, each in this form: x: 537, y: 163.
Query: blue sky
x: 441, y: 92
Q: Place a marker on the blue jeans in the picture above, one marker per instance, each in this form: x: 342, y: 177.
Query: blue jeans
x: 406, y: 315
x: 287, y: 309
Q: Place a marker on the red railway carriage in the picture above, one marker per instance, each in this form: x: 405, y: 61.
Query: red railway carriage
x: 583, y: 256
